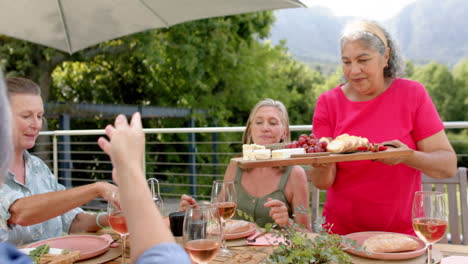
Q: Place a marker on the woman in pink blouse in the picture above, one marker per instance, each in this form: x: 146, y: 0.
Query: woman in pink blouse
x: 376, y: 103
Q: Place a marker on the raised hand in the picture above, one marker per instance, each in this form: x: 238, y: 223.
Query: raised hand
x: 125, y: 145
x: 278, y: 211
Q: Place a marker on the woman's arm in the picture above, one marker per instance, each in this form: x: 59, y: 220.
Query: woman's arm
x: 144, y: 220
x: 300, y: 196
x: 84, y: 222
x: 435, y: 157
x: 323, y: 175
x: 38, y: 208
x: 230, y: 174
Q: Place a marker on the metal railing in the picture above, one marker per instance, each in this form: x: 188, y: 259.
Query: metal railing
x: 187, y: 165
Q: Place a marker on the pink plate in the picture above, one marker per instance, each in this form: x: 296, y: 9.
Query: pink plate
x: 89, y: 246
x: 250, y: 231
x: 361, y: 236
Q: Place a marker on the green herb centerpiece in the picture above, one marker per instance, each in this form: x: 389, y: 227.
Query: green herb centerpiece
x: 302, y: 248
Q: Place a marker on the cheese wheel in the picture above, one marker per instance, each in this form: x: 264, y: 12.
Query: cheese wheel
x: 286, y: 153
x: 262, y: 154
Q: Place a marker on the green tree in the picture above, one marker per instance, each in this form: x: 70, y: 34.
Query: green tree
x: 441, y: 86
x: 460, y: 73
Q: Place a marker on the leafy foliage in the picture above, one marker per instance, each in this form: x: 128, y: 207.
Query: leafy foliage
x: 298, y: 248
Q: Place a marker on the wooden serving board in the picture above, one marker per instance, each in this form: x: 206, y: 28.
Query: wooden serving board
x: 312, y: 158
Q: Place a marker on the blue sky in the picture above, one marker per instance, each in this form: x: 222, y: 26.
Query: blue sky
x: 371, y: 9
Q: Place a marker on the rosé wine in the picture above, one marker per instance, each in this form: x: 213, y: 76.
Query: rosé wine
x: 118, y: 223
x: 202, y: 250
x: 430, y: 230
x: 226, y: 209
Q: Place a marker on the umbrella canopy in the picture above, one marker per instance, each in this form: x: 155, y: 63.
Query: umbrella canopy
x: 72, y: 25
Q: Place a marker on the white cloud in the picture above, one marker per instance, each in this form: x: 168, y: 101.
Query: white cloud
x: 372, y: 9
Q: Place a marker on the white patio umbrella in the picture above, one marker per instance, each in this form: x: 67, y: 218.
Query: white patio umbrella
x: 72, y: 25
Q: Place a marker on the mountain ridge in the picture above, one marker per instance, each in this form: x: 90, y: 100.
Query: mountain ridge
x: 426, y: 30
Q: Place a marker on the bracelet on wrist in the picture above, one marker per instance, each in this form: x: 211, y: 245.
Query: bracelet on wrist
x: 98, y: 216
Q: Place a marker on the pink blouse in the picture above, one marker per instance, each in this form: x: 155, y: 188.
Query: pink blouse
x: 368, y: 195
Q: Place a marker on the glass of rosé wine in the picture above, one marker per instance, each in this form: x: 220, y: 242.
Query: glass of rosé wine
x: 224, y: 197
x: 202, y: 232
x: 117, y: 220
x: 430, y: 218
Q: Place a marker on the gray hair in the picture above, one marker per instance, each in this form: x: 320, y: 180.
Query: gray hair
x: 355, y: 31
x: 5, y: 131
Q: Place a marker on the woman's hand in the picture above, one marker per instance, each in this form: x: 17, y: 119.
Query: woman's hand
x: 106, y: 189
x: 397, y: 160
x: 125, y: 145
x: 186, y: 201
x: 278, y: 211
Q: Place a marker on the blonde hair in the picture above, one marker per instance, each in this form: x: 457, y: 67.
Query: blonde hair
x: 247, y: 137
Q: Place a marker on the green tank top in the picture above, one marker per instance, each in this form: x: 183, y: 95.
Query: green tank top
x: 253, y: 206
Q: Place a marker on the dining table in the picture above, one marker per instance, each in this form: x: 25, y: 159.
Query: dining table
x: 258, y: 254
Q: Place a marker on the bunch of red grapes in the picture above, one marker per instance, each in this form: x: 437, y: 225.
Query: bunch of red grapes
x: 310, y: 143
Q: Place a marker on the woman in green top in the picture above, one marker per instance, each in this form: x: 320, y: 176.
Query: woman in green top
x: 270, y: 194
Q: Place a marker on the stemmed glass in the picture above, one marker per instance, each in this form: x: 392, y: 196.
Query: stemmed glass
x: 117, y: 221
x: 224, y: 197
x: 202, y: 232
x: 429, y: 218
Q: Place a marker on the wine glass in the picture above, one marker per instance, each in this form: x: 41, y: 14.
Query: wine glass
x: 224, y: 197
x: 117, y: 221
x: 202, y: 232
x: 429, y: 218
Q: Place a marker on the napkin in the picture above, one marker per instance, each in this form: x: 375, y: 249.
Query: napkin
x: 266, y: 239
x: 110, y: 239
x: 455, y: 260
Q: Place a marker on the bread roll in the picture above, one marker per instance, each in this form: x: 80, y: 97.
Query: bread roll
x: 336, y: 146
x: 236, y: 226
x: 388, y: 243
x: 346, y: 143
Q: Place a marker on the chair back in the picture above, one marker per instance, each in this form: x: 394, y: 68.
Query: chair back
x: 456, y: 190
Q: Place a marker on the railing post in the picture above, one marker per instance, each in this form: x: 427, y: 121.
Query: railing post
x: 214, y: 138
x: 55, y: 155
x: 65, y: 156
x: 192, y: 160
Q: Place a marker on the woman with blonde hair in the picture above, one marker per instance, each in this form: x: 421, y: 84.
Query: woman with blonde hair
x: 269, y: 194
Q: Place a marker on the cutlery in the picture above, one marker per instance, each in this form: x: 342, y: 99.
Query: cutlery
x: 254, y: 239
